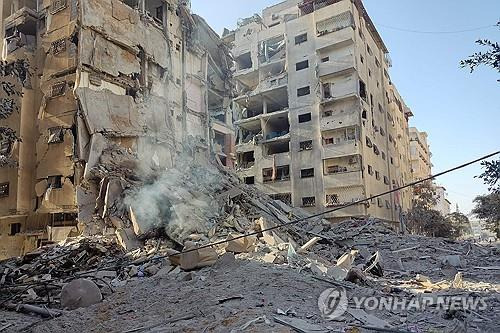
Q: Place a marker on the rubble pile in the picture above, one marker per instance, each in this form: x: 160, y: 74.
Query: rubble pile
x: 156, y: 231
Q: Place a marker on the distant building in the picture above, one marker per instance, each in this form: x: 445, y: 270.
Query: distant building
x: 420, y: 154
x: 443, y: 205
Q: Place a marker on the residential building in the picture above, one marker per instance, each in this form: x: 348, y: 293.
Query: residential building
x: 443, y: 205
x: 420, y: 153
x: 109, y: 78
x: 319, y: 122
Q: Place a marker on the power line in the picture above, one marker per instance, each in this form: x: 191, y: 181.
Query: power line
x: 436, y: 32
x: 335, y: 209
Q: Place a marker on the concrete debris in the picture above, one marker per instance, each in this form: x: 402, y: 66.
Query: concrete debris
x: 190, y: 211
x: 80, y: 293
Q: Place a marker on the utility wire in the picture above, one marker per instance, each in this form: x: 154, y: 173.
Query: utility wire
x: 335, y: 209
x: 436, y: 32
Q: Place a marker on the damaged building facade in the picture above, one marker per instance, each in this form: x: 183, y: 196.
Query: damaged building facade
x: 109, y: 79
x: 319, y: 122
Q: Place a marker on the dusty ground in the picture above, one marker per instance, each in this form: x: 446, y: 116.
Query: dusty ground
x: 200, y: 302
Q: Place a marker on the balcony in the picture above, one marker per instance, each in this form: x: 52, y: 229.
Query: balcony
x: 336, y: 67
x: 343, y: 148
x: 20, y: 30
x: 274, y: 82
x: 340, y: 120
x: 343, y: 179
x: 334, y: 40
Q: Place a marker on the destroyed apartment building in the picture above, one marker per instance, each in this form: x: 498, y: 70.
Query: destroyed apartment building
x: 319, y: 122
x: 109, y: 79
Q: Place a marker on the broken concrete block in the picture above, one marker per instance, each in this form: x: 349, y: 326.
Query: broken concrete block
x: 197, y: 258
x: 152, y: 270
x: 80, y: 293
x: 336, y: 273
x: 106, y: 275
x: 307, y: 246
x: 41, y: 187
x: 241, y: 245
x: 138, y: 230
x: 269, y: 258
x: 347, y: 260
x: 452, y: 260
x: 127, y: 239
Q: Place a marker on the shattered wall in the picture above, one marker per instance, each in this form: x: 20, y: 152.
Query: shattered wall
x: 123, y: 89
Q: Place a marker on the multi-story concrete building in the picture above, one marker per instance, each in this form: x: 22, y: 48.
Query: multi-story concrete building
x: 108, y: 78
x: 320, y: 123
x: 420, y: 154
x: 443, y: 205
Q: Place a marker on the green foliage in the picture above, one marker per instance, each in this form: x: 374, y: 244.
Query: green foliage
x: 460, y: 223
x: 423, y: 220
x: 488, y: 209
x: 489, y: 58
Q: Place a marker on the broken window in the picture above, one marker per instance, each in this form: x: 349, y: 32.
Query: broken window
x: 250, y: 180
x: 58, y: 46
x: 379, y: 202
x: 377, y: 175
x: 277, y: 148
x: 304, y: 118
x: 303, y: 91
x: 272, y: 49
x: 57, y: 6
x: 370, y: 170
x: 301, y: 38
x: 308, y: 201
x: 246, y: 160
x: 392, y: 161
x: 327, y: 113
x: 283, y: 197
x: 377, y: 63
x: 362, y: 90
x: 325, y: 59
x: 376, y: 150
x: 369, y: 50
x: 306, y: 145
x: 244, y: 61
x: 281, y: 173
x: 335, y: 23
x: 54, y: 182
x: 332, y: 200
x: 302, y: 65
x: 327, y: 90
x: 56, y: 135
x: 63, y: 219
x: 58, y: 89
x: 15, y: 228
x: 4, y: 190
x: 364, y: 114
x: 131, y: 3
x: 369, y: 143
x: 350, y: 134
x: 307, y: 173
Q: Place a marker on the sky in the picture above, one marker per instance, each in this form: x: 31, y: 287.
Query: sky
x: 460, y: 111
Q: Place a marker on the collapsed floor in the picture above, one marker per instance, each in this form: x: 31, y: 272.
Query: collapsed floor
x: 270, y: 282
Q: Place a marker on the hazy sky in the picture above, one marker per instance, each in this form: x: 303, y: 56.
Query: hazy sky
x: 459, y: 110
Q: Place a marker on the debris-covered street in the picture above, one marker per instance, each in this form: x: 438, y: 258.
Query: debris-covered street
x: 267, y: 283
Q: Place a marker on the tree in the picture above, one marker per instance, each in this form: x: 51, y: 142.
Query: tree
x: 489, y: 58
x: 491, y: 175
x: 488, y: 209
x: 423, y: 219
x: 460, y: 223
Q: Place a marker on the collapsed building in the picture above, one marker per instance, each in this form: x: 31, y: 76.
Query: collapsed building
x: 110, y: 82
x: 319, y: 122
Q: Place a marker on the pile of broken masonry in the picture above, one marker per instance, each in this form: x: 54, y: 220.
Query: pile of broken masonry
x: 206, y: 205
